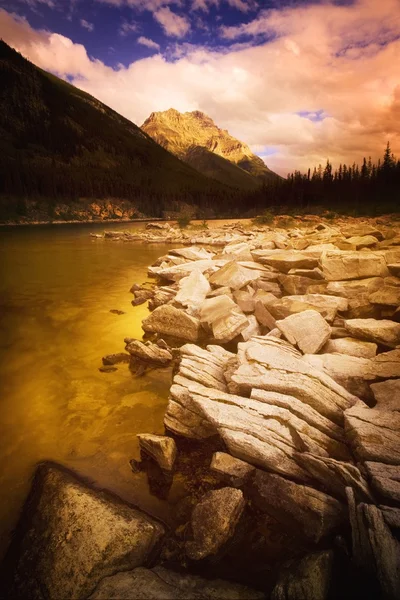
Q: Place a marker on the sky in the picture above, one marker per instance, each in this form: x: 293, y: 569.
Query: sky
x: 299, y: 81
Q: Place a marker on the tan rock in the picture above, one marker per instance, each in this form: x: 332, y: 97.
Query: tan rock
x: 380, y: 331
x: 339, y: 266
x: 308, y: 330
x: 168, y: 320
x: 161, y: 448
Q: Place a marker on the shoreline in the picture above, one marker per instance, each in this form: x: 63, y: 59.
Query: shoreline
x: 284, y: 350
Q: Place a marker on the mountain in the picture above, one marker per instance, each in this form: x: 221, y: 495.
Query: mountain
x: 61, y: 146
x: 196, y: 139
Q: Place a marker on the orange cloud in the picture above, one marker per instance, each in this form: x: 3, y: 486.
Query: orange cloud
x: 340, y: 60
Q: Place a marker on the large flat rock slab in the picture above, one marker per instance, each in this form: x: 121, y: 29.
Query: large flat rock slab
x: 339, y: 266
x: 74, y: 537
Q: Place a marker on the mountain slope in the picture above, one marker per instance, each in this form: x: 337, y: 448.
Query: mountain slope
x: 184, y: 133
x: 59, y: 143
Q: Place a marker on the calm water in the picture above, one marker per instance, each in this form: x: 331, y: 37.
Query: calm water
x: 57, y: 286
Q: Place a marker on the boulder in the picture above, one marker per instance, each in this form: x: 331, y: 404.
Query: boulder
x: 177, y: 272
x: 213, y: 521
x: 234, y: 276
x: 192, y: 291
x: 161, y: 448
x: 328, y: 306
x: 252, y: 329
x: 149, y: 352
x: 385, y: 479
x: 306, y: 579
x: 358, y: 293
x: 375, y: 551
x: 394, y: 269
x: 388, y: 295
x: 382, y: 331
x: 227, y: 328
x: 373, y: 435
x: 244, y: 300
x: 350, y: 347
x: 362, y: 241
x: 342, y: 265
x: 193, y: 253
x: 308, y: 330
x: 162, y: 584
x: 75, y: 537
x: 216, y: 308
x: 387, y: 394
x: 301, y: 510
x: 233, y: 469
x: 168, y: 320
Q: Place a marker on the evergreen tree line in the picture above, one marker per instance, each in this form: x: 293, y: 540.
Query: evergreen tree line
x: 370, y: 188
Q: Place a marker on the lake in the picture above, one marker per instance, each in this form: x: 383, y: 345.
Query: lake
x: 57, y: 287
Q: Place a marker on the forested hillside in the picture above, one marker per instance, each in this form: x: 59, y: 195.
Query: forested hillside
x: 59, y: 144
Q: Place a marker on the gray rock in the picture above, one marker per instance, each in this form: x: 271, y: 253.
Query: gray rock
x: 387, y: 394
x: 380, y: 331
x: 213, y: 521
x: 308, y: 330
x: 161, y: 448
x: 168, y: 320
x: 300, y: 509
x: 307, y: 579
x: 163, y: 584
x: 76, y: 537
x: 233, y: 469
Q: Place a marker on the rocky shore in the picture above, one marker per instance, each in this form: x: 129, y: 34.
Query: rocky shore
x: 282, y: 428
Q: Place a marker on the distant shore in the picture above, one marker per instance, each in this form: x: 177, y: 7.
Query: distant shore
x: 82, y: 222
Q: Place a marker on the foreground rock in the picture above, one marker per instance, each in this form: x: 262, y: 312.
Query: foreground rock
x: 306, y: 512
x: 374, y: 434
x: 213, y: 521
x: 75, y: 537
x: 307, y: 579
x: 163, y: 584
x: 375, y: 550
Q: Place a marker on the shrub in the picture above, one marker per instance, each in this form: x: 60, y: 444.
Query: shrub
x: 265, y: 218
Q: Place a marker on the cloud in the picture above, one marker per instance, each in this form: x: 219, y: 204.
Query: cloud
x: 326, y: 85
x: 173, y: 25
x: 144, y: 41
x: 242, y: 5
x: 86, y: 25
x: 128, y: 27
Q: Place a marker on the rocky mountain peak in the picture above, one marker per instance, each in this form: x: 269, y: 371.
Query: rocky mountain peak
x: 181, y: 132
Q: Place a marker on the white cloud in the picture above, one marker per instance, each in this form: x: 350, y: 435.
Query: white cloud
x: 144, y: 41
x: 242, y: 5
x: 316, y: 62
x: 128, y: 27
x: 86, y: 25
x: 173, y: 25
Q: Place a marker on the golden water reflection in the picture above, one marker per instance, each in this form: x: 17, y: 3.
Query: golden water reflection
x: 57, y: 287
